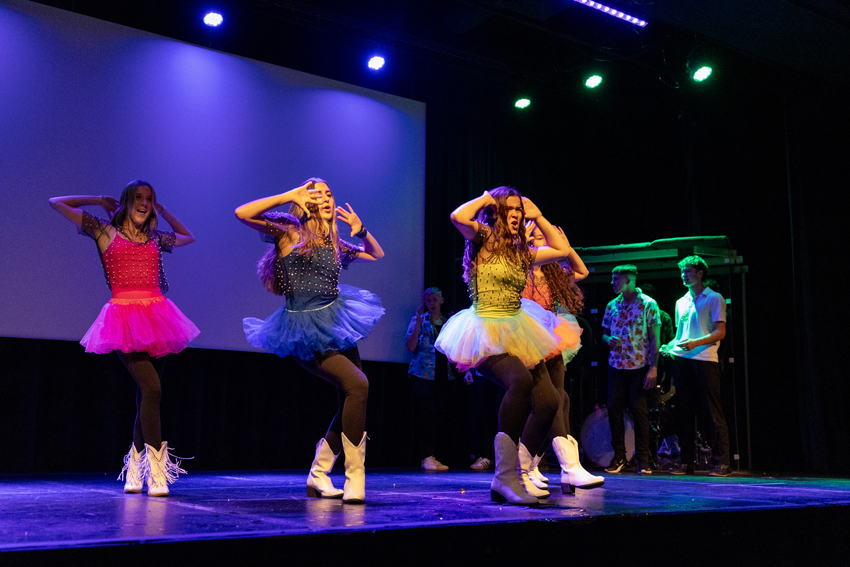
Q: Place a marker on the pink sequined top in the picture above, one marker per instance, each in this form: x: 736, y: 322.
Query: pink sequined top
x: 131, y: 266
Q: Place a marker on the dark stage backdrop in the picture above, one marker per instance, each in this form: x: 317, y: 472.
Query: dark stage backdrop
x: 87, y: 106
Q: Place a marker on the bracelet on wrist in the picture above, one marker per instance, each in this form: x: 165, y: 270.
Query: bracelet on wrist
x: 362, y: 232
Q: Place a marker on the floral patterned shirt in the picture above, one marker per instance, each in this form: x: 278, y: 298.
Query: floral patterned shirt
x: 632, y: 323
x: 424, y: 361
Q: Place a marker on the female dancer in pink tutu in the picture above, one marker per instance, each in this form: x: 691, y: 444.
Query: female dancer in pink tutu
x: 322, y: 320
x: 553, y: 287
x: 507, y: 338
x: 138, y: 322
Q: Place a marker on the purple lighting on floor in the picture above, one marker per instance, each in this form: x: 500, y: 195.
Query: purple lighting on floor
x: 613, y: 12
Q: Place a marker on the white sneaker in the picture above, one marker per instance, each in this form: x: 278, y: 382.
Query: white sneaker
x: 432, y: 464
x: 482, y: 464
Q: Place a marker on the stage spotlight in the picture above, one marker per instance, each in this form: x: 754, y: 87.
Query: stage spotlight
x: 702, y: 73
x: 522, y: 103
x: 376, y: 62
x: 213, y: 19
x: 593, y: 82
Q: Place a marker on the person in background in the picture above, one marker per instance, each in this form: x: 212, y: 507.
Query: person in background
x: 631, y: 327
x: 700, y: 326
x: 430, y: 373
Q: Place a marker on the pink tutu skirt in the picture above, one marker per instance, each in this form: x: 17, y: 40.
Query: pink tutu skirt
x: 574, y: 336
x: 152, y: 325
x: 533, y: 334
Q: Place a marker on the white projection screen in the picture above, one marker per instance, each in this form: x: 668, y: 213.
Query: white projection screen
x: 87, y: 106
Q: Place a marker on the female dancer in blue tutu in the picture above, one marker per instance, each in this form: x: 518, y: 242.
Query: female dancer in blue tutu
x: 139, y: 323
x: 507, y: 338
x: 322, y: 320
x: 553, y: 287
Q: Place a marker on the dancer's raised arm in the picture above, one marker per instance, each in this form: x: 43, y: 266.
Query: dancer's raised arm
x: 557, y: 246
x: 183, y: 235
x: 252, y: 213
x: 463, y: 216
x: 371, y: 249
x: 69, y: 206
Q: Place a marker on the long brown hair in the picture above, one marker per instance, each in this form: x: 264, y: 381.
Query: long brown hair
x: 128, y: 200
x: 312, y: 232
x: 512, y: 247
x: 563, y: 286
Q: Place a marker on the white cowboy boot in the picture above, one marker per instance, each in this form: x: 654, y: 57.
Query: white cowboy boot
x: 160, y: 470
x: 525, y: 463
x: 134, y: 465
x: 319, y: 484
x: 573, y: 474
x: 505, y: 486
x: 355, y: 471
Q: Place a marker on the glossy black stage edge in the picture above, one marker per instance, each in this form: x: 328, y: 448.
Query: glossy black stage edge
x: 417, y: 518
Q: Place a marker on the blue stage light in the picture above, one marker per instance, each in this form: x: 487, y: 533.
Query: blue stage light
x: 376, y: 62
x: 213, y: 19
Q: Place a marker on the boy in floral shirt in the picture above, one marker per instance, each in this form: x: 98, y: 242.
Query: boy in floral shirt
x: 631, y: 327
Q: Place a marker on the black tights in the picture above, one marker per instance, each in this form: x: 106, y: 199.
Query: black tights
x: 147, y: 373
x: 523, y: 388
x: 344, y: 370
x: 557, y: 372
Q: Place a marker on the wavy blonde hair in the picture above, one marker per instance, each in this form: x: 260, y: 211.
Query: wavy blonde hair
x: 503, y: 244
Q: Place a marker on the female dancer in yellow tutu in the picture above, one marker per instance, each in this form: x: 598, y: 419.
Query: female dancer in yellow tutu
x: 138, y: 323
x: 504, y: 337
x: 553, y: 287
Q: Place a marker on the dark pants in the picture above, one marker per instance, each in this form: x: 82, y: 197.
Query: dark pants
x: 622, y: 383
x: 429, y: 415
x: 698, y: 390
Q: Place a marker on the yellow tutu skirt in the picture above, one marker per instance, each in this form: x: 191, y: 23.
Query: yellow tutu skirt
x: 533, y: 334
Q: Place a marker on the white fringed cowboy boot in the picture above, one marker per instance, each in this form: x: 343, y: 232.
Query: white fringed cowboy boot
x: 573, y: 474
x: 319, y: 484
x: 525, y: 462
x: 134, y: 466
x: 160, y: 470
x: 505, y: 486
x: 355, y: 471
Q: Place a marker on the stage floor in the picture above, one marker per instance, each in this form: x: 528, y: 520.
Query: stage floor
x: 84, y: 510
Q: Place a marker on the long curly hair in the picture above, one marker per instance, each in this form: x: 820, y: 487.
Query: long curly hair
x: 128, y: 200
x: 312, y: 232
x: 563, y: 286
x: 502, y: 244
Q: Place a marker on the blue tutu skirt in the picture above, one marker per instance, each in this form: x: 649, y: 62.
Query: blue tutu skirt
x: 337, y: 326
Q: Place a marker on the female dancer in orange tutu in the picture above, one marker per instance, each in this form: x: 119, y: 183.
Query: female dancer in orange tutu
x: 504, y: 337
x: 138, y: 322
x: 553, y: 287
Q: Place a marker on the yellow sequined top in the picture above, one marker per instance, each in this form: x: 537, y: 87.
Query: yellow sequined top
x: 495, y: 286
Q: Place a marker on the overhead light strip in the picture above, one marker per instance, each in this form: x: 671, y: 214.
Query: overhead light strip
x: 613, y: 12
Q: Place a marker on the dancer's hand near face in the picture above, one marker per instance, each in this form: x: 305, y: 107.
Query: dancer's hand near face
x: 350, y: 218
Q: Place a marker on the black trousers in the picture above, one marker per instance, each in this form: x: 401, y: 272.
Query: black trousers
x: 623, y: 383
x: 698, y: 391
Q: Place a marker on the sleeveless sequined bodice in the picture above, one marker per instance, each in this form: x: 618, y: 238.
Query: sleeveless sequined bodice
x: 495, y: 288
x: 132, y: 266
x: 539, y: 293
x: 308, y: 281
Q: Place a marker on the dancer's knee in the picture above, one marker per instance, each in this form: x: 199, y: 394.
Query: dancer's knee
x: 359, y: 390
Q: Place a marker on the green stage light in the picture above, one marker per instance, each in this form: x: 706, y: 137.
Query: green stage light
x: 522, y: 103
x: 702, y: 74
x: 593, y: 82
